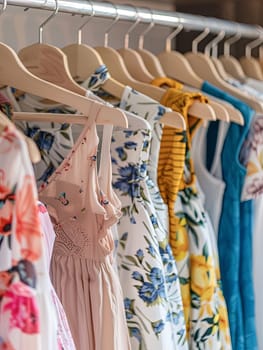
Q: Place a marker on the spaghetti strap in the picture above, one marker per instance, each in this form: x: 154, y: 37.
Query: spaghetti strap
x: 105, y: 170
x: 81, y: 267
x: 216, y: 167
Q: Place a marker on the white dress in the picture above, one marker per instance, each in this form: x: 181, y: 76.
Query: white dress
x: 147, y: 268
x: 213, y: 187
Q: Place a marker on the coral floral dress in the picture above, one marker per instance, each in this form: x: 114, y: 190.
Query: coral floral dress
x: 20, y: 248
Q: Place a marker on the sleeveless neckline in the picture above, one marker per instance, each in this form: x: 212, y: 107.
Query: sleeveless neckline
x: 55, y: 175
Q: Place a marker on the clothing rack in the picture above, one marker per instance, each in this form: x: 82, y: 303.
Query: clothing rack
x: 130, y: 13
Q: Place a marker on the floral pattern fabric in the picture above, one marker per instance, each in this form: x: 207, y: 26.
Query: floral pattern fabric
x: 251, y: 156
x: 148, y: 275
x: 245, y: 88
x: 151, y: 111
x: 96, y: 80
x: 54, y: 140
x: 21, y: 254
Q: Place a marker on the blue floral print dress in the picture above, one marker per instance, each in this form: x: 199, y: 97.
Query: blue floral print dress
x: 151, y: 111
x: 147, y: 270
x: 54, y: 140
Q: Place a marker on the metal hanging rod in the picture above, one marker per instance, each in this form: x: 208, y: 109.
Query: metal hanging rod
x: 128, y: 13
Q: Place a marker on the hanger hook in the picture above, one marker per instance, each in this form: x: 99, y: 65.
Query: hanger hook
x: 3, y: 8
x: 253, y: 44
x: 85, y: 23
x: 168, y: 40
x: 131, y: 28
x: 150, y: 26
x: 198, y: 39
x: 233, y: 39
x: 42, y: 25
x: 213, y: 44
x: 116, y: 19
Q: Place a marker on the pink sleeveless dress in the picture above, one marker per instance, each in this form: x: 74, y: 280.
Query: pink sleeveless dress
x: 64, y: 336
x: 81, y: 266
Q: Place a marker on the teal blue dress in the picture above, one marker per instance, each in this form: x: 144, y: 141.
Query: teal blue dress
x: 235, y: 229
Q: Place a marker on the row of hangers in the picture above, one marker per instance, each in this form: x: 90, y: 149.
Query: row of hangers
x: 43, y: 70
x: 125, y: 66
x: 54, y: 74
x: 58, y: 67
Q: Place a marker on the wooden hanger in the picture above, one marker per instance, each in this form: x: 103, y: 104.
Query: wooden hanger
x: 202, y: 111
x: 202, y: 64
x: 230, y: 63
x: 13, y: 73
x: 177, y: 67
x: 70, y: 118
x: 118, y: 70
x: 135, y: 65
x: 134, y: 62
x: 79, y: 55
x: 233, y: 113
x: 135, y: 121
x: 33, y: 151
x: 150, y: 60
x: 132, y: 59
x: 49, y: 62
x: 213, y: 47
x: 251, y: 65
x: 83, y: 61
x: 260, y: 59
x: 220, y: 69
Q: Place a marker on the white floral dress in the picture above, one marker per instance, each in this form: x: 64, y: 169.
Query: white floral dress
x: 151, y: 111
x: 148, y: 275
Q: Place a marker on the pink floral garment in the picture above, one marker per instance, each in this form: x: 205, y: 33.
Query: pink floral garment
x: 251, y: 156
x: 20, y: 246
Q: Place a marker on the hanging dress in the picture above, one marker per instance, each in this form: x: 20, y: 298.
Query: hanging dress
x: 251, y: 157
x: 148, y: 303
x: 235, y: 230
x: 212, y: 186
x: 152, y: 111
x: 81, y: 266
x: 25, y: 299
x: 190, y: 234
x: 63, y: 333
